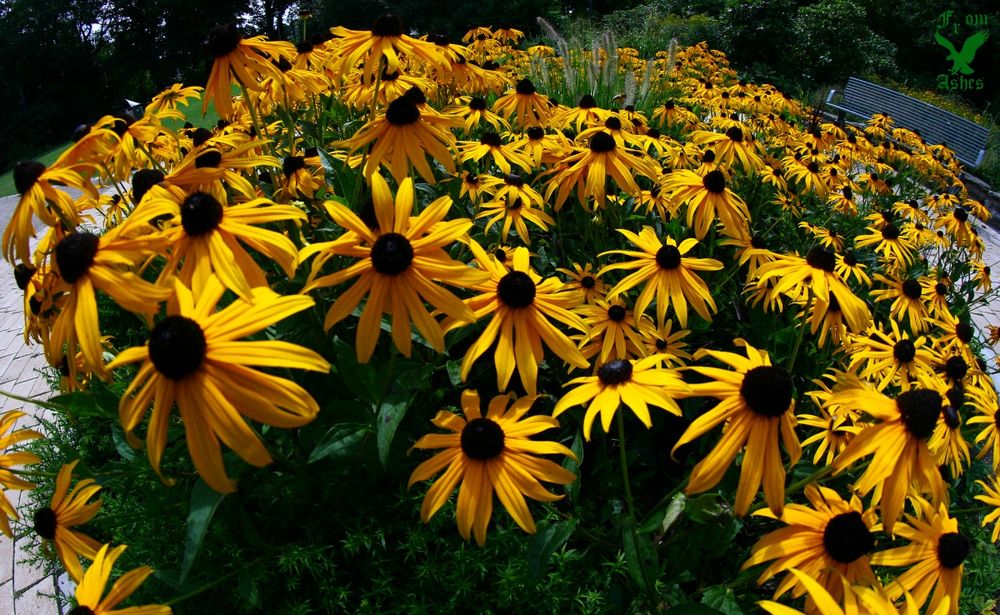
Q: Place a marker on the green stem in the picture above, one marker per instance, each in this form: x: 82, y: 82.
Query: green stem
x: 665, y: 500
x: 799, y: 485
x: 623, y: 461
x: 211, y: 584
x: 802, y: 332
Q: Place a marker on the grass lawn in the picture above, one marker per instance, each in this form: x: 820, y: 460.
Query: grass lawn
x: 192, y: 114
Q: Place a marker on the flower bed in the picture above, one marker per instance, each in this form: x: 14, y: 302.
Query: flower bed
x: 402, y: 267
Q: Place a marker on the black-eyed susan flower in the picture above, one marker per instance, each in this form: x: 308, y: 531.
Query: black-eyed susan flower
x: 176, y: 94
x: 857, y: 600
x: 735, y: 147
x: 891, y: 357
x: 40, y: 197
x: 668, y: 273
x: 514, y: 211
x: 588, y: 168
x: 87, y: 263
x: 10, y: 458
x: 583, y: 279
x: 206, y: 237
x: 523, y: 106
x: 899, y: 444
x: 908, y: 301
x: 991, y: 497
x: 947, y: 443
x: 828, y: 540
x: 399, y: 265
x: 247, y: 60
x: 68, y: 509
x: 403, y: 136
x: 935, y: 557
x: 90, y: 588
x: 848, y: 266
x: 794, y: 275
x: 384, y: 44
x: 708, y: 200
x: 757, y: 405
x: 890, y: 242
x: 836, y: 430
x: 668, y: 345
x: 984, y: 400
x: 487, y: 454
x: 637, y: 384
x: 521, y: 303
x: 474, y: 113
x: 194, y: 358
x: 490, y: 144
x: 613, y: 331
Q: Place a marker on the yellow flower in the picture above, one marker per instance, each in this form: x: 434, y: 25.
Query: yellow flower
x: 991, y: 497
x: 194, y: 358
x: 669, y: 275
x: 91, y: 587
x: 521, y: 304
x: 248, y: 60
x: 935, y: 555
x: 490, y: 454
x: 899, y: 444
x: 399, y: 265
x: 9, y: 459
x: 709, y: 201
x: 826, y: 541
x: 588, y: 170
x: 636, y: 384
x: 67, y: 510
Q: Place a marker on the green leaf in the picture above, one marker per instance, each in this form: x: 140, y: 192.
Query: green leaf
x: 723, y: 599
x: 81, y: 404
x: 204, y: 502
x: 670, y: 516
x: 573, y: 489
x: 358, y: 377
x: 705, y: 508
x: 546, y: 542
x: 640, y: 559
x: 339, y: 441
x: 121, y: 445
x: 455, y: 372
x: 248, y: 591
x: 389, y: 417
x: 693, y: 608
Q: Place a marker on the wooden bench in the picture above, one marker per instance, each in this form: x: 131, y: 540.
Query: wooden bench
x: 936, y: 126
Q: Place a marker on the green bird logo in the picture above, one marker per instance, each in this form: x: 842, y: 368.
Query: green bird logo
x: 961, y: 59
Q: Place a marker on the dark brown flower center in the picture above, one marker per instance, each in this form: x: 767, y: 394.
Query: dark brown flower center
x: 963, y: 331
x: 292, y: 164
x: 616, y: 313
x: 81, y: 610
x: 911, y: 288
x: 177, y: 347
x: 735, y: 133
x: 602, y: 142
x: 402, y: 112
x: 960, y: 214
x: 535, y: 133
x: 767, y: 390
x: 23, y: 274
x: 613, y: 123
x: 714, y: 182
x: 904, y: 351
x: 615, y: 372
x: 846, y: 537
x: 491, y: 138
x: 142, y: 181
x: 821, y: 258
x: 477, y: 104
x: 209, y: 159
x: 588, y: 281
x: 919, y: 409
x: 45, y: 523
x: 587, y: 102
x: 26, y: 173
x: 387, y: 25
x: 525, y: 87
x: 952, y: 549
x: 75, y: 254
x: 392, y: 254
x: 956, y: 368
x: 201, y: 214
x: 482, y: 439
x: 890, y: 232
x: 223, y: 39
x: 516, y: 290
x: 668, y: 257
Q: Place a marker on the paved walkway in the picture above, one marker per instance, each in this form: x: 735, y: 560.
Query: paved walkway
x: 27, y: 589
x: 24, y: 589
